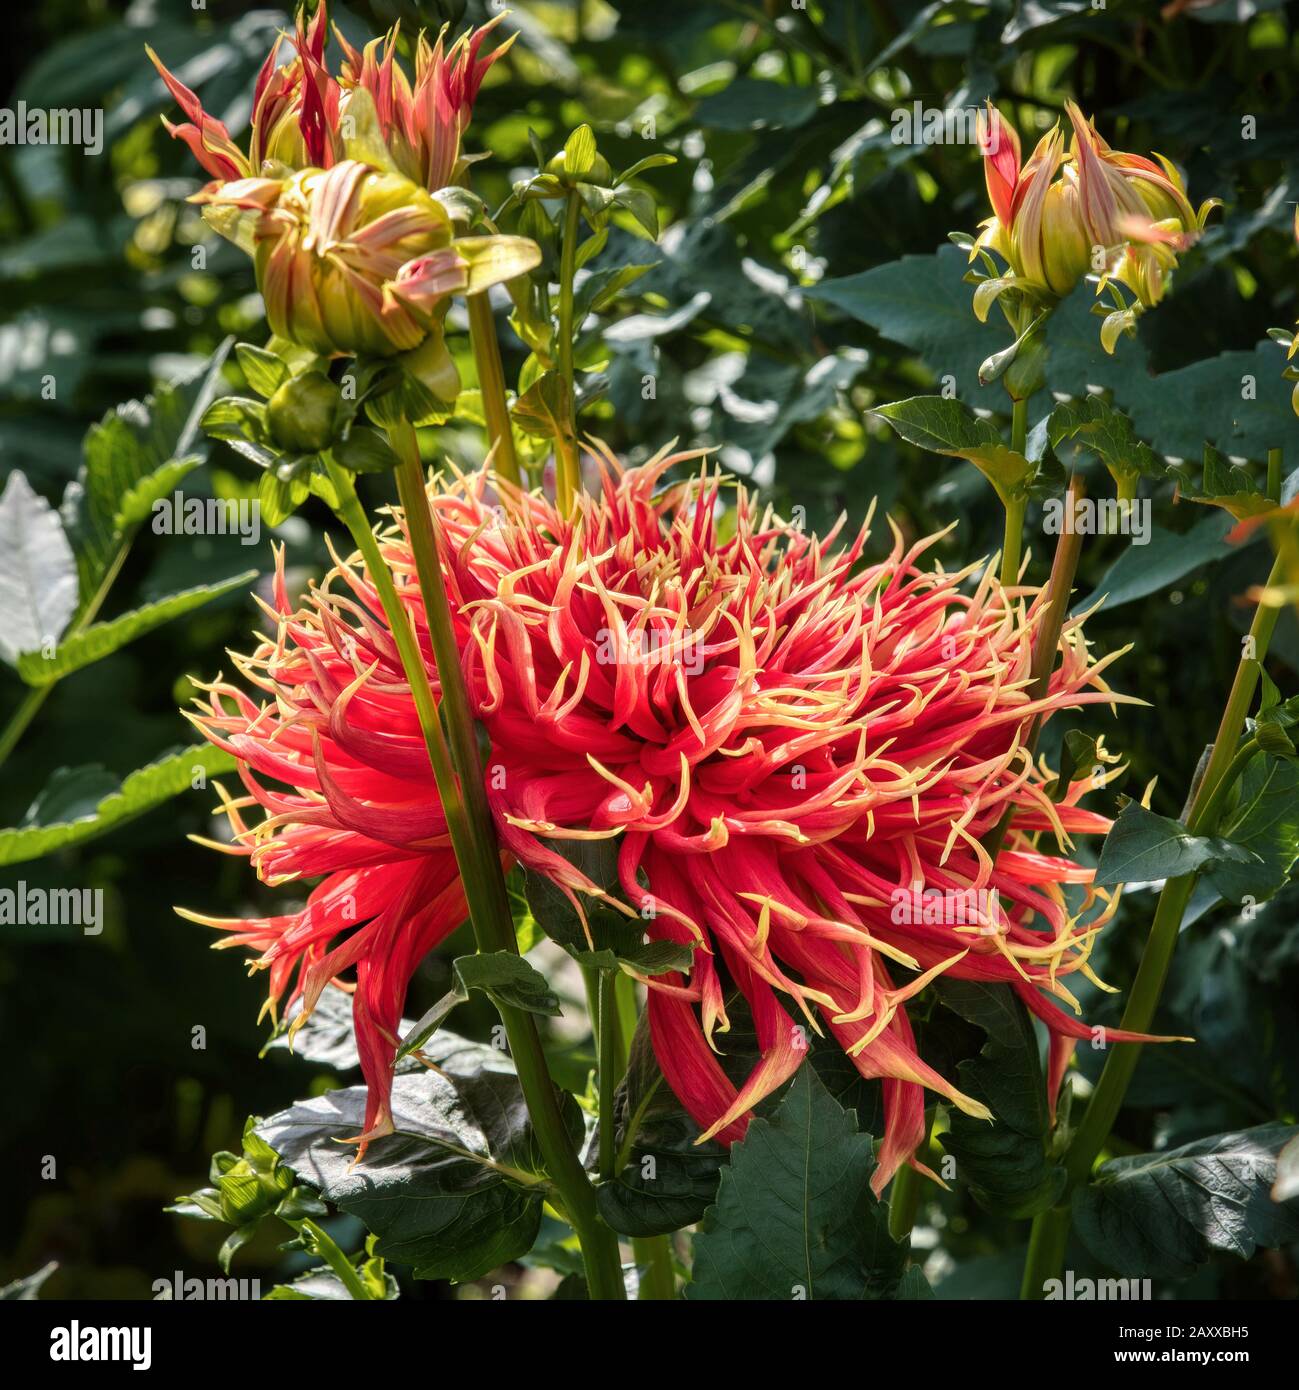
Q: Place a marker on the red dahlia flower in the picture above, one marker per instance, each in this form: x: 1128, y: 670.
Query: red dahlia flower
x: 784, y: 743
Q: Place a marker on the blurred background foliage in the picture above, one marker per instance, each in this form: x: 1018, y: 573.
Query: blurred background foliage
x: 779, y: 310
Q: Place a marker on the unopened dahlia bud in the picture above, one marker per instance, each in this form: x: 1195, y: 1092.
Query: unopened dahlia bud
x: 468, y: 266
x: 598, y: 172
x: 1064, y: 213
x: 1065, y: 248
x: 302, y: 112
x: 1135, y: 209
x: 1038, y: 228
x: 325, y: 243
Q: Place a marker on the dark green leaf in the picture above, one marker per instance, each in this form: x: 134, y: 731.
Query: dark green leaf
x: 125, y: 448
x: 923, y: 303
x: 328, y: 1037
x: 795, y: 1217
x: 508, y: 979
x: 455, y: 1191
x: 749, y: 104
x: 365, y: 451
x: 1093, y: 424
x: 1004, y: 1163
x: 1160, y: 1215
x: 668, y: 1179
x: 1142, y: 570
x: 1142, y: 847
x: 1265, y: 823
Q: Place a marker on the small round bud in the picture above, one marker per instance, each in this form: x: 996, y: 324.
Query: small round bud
x: 600, y: 173
x: 301, y: 413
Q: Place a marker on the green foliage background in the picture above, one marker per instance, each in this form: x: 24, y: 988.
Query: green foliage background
x: 779, y: 313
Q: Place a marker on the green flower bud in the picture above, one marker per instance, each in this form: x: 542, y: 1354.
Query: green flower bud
x: 598, y: 172
x: 301, y: 413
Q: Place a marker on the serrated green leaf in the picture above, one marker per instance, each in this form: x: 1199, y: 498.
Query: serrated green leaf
x: 945, y: 426
x: 129, y: 444
x: 1004, y: 1163
x: 455, y: 1192
x: 137, y: 502
x: 668, y: 1179
x: 264, y: 371
x: 1161, y: 1215
x: 508, y: 979
x: 795, y: 1217
x: 140, y: 792
x: 99, y: 640
x: 1223, y: 484
x: 1264, y: 823
x: 1093, y: 424
x: 601, y: 288
x: 1143, y: 846
x: 541, y: 409
x: 503, y: 976
x: 609, y: 939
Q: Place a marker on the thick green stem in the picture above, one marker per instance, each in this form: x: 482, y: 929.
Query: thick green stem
x: 1019, y: 425
x: 904, y: 1202
x: 1211, y: 816
x: 353, y: 516
x: 567, y: 476
x: 657, y: 1278
x: 22, y: 716
x: 1046, y: 1249
x: 328, y: 1250
x: 625, y: 992
x: 464, y: 801
x: 907, y: 1188
x: 612, y: 1063
x: 1047, y: 641
x: 491, y: 382
x: 1274, y: 474
x: 460, y: 726
x: 1046, y: 1246
x: 1012, y: 545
